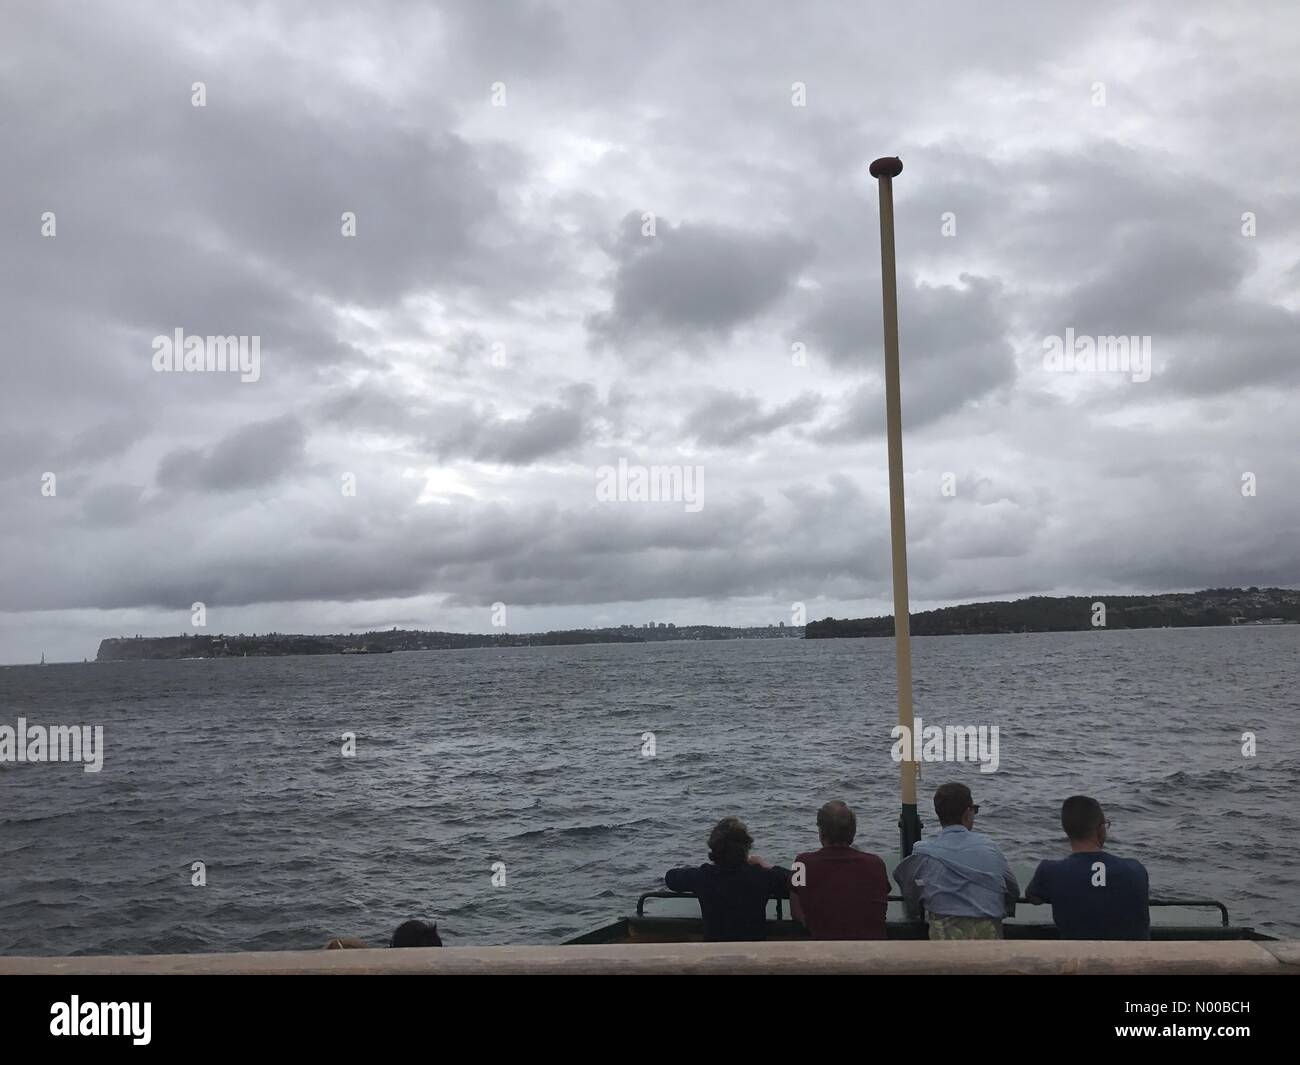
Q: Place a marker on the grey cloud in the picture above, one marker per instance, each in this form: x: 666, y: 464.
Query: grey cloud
x: 527, y: 37
x: 112, y: 505
x: 694, y: 278
x: 477, y: 553
x: 251, y: 457
x: 225, y: 219
x: 953, y: 351
x: 730, y: 419
x: 475, y: 431
x: 1110, y: 245
x: 478, y: 225
x: 546, y: 430
x: 373, y: 404
x: 104, y: 441
x: 1183, y: 288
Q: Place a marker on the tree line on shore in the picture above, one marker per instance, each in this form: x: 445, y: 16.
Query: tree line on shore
x: 1215, y: 606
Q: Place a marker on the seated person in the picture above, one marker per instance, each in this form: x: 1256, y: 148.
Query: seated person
x: 1094, y: 895
x: 416, y: 934
x: 844, y: 891
x: 734, y: 887
x: 960, y: 875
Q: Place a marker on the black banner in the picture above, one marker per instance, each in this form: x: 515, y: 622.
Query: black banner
x: 332, y: 1013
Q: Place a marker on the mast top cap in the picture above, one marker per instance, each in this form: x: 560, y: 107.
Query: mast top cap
x: 890, y: 166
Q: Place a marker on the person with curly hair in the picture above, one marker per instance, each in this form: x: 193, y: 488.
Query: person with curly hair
x: 733, y: 888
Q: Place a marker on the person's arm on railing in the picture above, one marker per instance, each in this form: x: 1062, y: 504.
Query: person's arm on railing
x: 1037, y: 892
x: 685, y: 879
x: 779, y: 877
x: 1011, y: 888
x: 1146, y: 903
x: 911, y: 882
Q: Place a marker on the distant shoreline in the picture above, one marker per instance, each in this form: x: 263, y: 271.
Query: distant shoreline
x: 525, y: 646
x: 1217, y: 607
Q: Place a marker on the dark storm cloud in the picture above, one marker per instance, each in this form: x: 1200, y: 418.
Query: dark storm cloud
x: 694, y: 277
x: 251, y: 457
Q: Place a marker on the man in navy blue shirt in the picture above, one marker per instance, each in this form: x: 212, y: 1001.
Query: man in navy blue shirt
x: 1094, y: 895
x: 734, y: 887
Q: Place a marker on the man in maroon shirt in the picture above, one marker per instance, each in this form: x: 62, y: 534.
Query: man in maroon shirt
x: 839, y: 892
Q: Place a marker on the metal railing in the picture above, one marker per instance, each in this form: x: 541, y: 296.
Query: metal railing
x: 640, y: 903
x: 1223, y: 910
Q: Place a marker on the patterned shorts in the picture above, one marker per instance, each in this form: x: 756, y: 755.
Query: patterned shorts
x: 965, y: 928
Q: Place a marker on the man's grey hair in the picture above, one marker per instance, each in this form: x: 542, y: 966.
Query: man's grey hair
x: 836, y: 824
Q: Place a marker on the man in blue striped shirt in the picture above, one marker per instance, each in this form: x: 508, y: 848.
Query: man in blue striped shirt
x: 960, y: 875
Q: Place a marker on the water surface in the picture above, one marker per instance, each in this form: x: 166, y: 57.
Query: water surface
x: 532, y: 757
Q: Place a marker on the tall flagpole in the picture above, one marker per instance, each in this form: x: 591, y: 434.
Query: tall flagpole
x: 909, y: 821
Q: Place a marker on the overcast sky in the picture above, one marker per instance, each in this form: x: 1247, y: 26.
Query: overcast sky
x: 502, y: 324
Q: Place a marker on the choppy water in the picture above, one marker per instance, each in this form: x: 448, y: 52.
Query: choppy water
x: 532, y: 757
